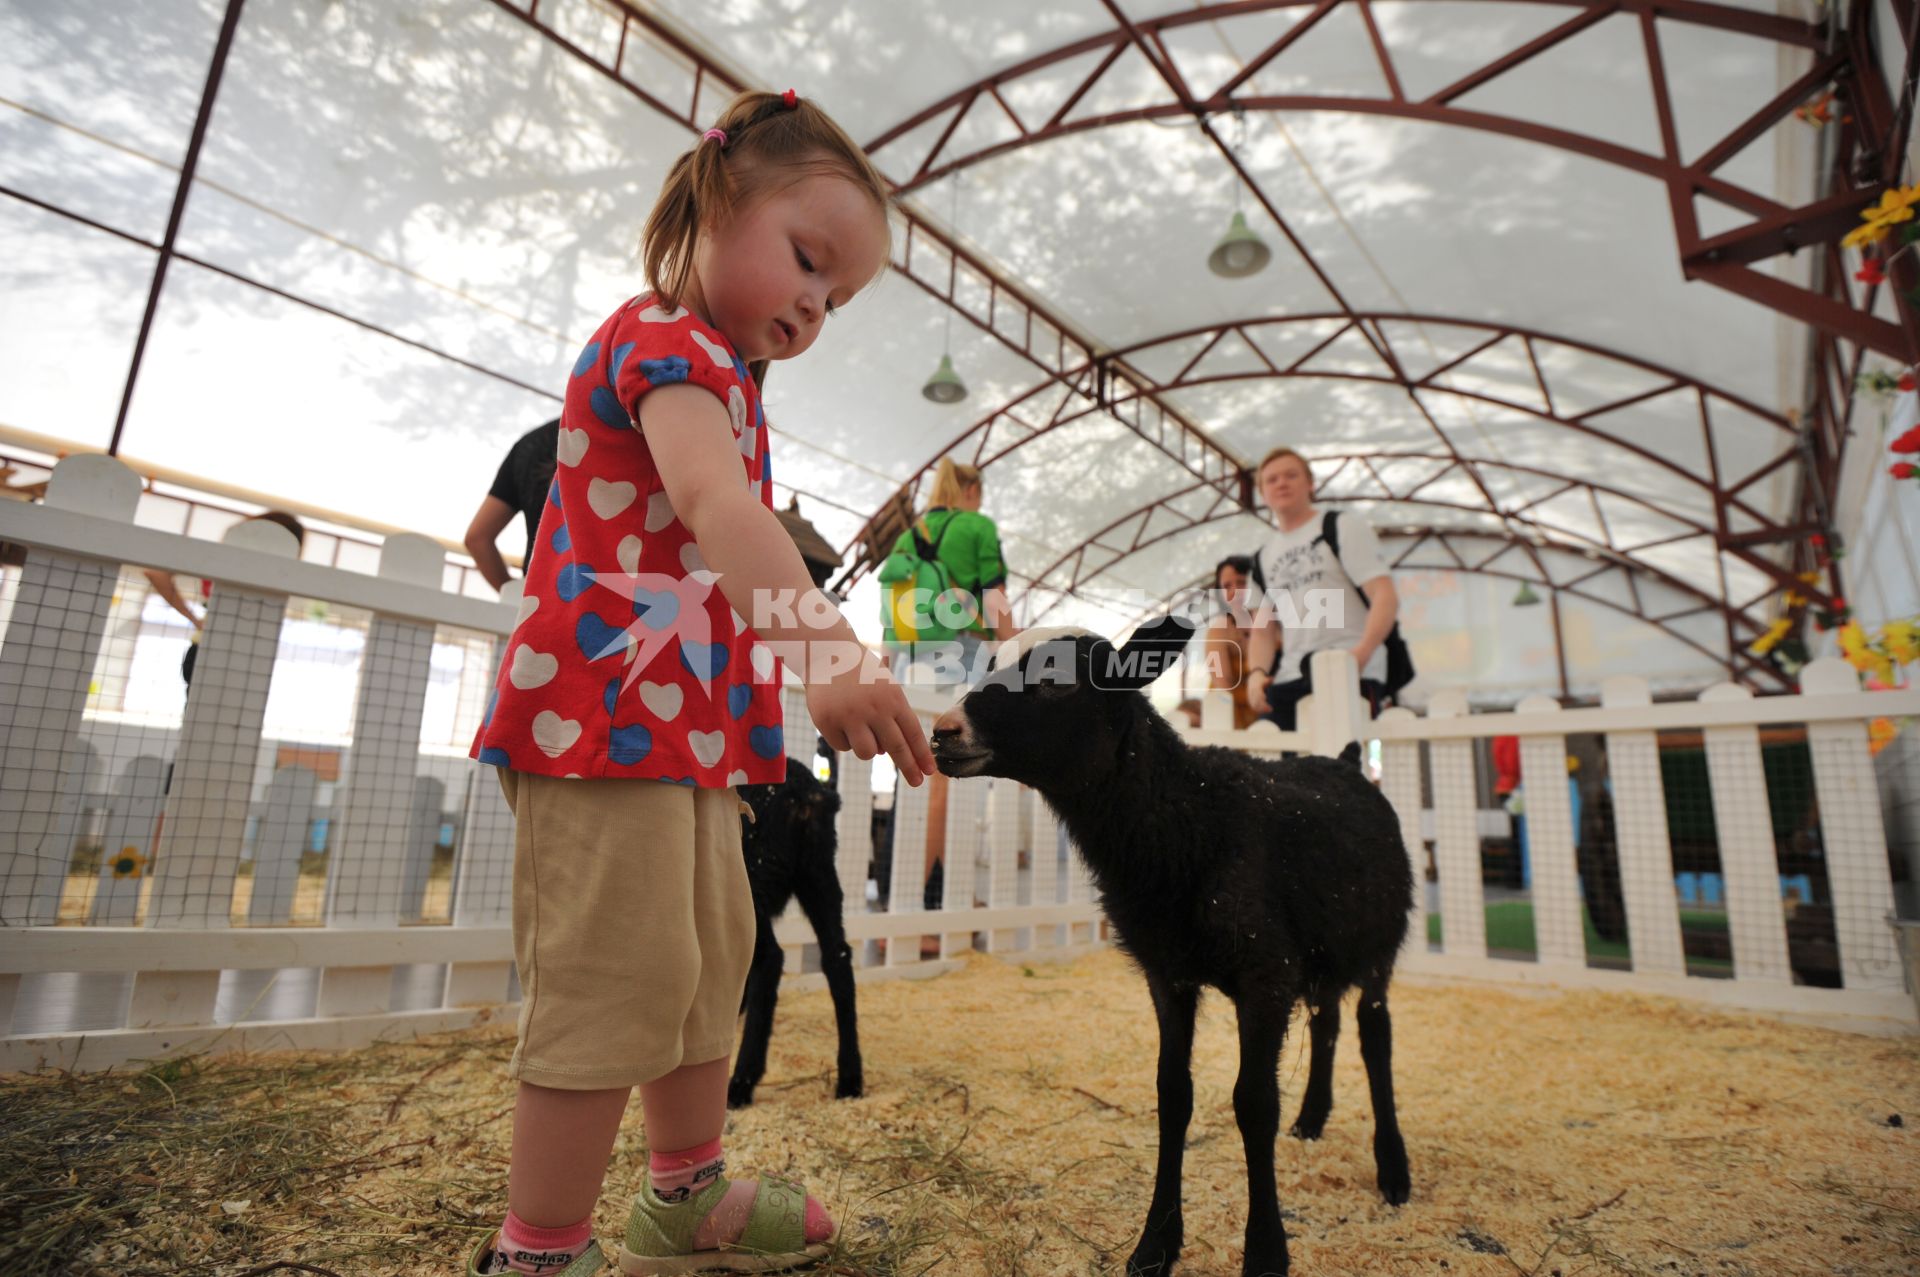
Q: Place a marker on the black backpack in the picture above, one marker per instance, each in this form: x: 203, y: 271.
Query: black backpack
x: 1400, y: 669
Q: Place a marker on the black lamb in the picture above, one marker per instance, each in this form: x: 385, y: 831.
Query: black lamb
x: 789, y: 846
x: 1272, y: 881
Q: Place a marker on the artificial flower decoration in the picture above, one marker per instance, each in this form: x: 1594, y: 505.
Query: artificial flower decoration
x: 1902, y: 640
x: 1817, y: 113
x: 1775, y: 632
x: 1906, y: 382
x: 129, y: 863
x: 1895, y: 206
x: 1872, y: 271
x: 1908, y: 442
x: 1903, y: 470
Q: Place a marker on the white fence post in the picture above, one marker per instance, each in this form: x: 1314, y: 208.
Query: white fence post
x: 46, y: 663
x: 368, y: 865
x: 1004, y: 836
x: 1558, y: 937
x: 1456, y: 841
x: 1400, y: 782
x: 483, y: 867
x: 1743, y: 820
x: 907, y: 890
x: 1854, y: 836
x: 1640, y: 831
x: 966, y: 836
x: 853, y: 829
x: 278, y: 843
x: 1043, y: 835
x: 1334, y: 717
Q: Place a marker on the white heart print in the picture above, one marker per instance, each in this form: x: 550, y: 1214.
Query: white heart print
x: 691, y: 558
x: 762, y: 662
x: 737, y: 408
x: 715, y: 351
x: 628, y: 552
x: 531, y: 669
x: 707, y: 746
x: 572, y: 446
x: 659, y: 511
x: 609, y: 499
x: 663, y: 701
x: 553, y: 734
x: 529, y: 604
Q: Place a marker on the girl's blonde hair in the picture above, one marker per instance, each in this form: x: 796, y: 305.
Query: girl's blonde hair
x: 769, y: 146
x: 950, y: 484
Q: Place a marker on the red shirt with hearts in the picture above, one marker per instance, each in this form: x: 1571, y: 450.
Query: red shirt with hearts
x: 626, y: 660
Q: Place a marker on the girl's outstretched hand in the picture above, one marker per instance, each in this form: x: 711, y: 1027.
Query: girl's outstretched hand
x: 864, y: 711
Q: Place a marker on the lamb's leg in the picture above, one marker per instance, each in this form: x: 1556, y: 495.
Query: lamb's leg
x: 1323, y: 1030
x: 1376, y: 1048
x: 1256, y: 1104
x: 763, y: 992
x: 818, y: 891
x: 1164, y: 1234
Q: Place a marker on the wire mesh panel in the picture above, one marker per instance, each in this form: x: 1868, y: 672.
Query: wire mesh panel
x: 1699, y: 884
x: 207, y: 805
x: 1554, y: 873
x: 1005, y: 835
x: 853, y: 828
x: 909, y: 870
x: 1640, y: 831
x: 1744, y: 821
x: 388, y: 818
x: 1463, y: 919
x: 46, y: 662
x: 959, y: 862
x: 1400, y: 782
x: 1854, y: 838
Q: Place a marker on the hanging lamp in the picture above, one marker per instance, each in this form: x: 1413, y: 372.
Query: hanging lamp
x: 1240, y: 252
x: 945, y: 386
x: 1525, y: 597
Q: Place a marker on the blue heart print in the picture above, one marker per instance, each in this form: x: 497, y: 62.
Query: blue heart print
x: 562, y: 539
x: 606, y: 406
x: 494, y: 756
x: 739, y: 696
x: 628, y: 745
x: 657, y: 608
x: 769, y: 742
x: 587, y: 359
x: 612, y: 694
x: 572, y: 581
x: 665, y: 372
x: 553, y: 495
x: 703, y: 660
x: 619, y: 359
x: 740, y: 370
x: 597, y: 639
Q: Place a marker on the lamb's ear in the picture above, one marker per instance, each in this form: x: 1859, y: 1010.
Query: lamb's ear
x: 1153, y: 650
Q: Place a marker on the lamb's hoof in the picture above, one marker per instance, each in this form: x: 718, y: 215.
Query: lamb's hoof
x: 1308, y: 1126
x: 1153, y: 1258
x: 1264, y: 1257
x: 1394, y: 1178
x: 850, y: 1086
x: 1265, y: 1266
x: 739, y: 1094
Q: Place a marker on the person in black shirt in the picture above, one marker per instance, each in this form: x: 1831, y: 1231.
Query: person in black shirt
x: 520, y: 488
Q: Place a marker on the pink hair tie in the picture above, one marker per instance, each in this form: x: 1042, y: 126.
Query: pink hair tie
x: 715, y: 135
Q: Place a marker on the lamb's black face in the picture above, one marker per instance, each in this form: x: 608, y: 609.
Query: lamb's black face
x: 1023, y: 721
x: 1047, y: 716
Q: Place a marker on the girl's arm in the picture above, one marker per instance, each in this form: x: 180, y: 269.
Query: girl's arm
x: 163, y: 585
x: 853, y: 701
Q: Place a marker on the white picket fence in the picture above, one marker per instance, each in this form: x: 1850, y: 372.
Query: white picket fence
x: 158, y: 963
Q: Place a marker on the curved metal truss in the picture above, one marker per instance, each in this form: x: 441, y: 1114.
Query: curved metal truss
x: 1737, y: 527
x: 1871, y: 123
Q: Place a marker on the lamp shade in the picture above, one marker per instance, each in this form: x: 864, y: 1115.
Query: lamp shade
x: 945, y: 385
x: 1240, y: 252
x: 1525, y: 597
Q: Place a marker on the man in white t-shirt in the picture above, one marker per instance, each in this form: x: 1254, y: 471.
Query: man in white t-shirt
x: 1313, y: 593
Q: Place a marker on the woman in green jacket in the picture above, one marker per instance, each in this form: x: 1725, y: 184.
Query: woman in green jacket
x: 968, y: 545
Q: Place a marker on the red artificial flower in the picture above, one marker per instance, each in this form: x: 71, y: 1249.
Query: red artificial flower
x: 1908, y: 442
x: 1817, y: 539
x: 1906, y: 381
x: 1871, y: 272
x: 1903, y: 470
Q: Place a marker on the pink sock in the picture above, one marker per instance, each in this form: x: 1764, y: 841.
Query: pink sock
x: 678, y: 1175
x: 522, y: 1248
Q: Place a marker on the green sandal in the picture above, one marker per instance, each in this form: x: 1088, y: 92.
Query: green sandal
x: 659, y: 1239
x: 585, y: 1264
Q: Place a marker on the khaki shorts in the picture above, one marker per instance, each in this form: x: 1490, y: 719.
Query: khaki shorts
x: 632, y: 928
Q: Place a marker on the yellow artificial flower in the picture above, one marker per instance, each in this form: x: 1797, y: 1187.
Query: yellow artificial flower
x: 1771, y: 639
x: 1853, y: 640
x: 129, y: 863
x: 1808, y: 578
x: 1895, y: 206
x: 1902, y: 641
x: 1796, y: 599
x: 1880, y: 734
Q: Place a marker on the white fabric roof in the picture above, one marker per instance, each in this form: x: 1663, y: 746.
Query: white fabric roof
x: 446, y: 174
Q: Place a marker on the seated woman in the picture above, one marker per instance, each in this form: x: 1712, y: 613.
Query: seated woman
x: 1228, y: 635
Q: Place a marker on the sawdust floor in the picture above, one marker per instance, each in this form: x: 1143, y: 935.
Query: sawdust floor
x: 1009, y: 1129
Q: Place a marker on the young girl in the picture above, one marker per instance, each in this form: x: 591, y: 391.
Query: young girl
x: 633, y: 665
